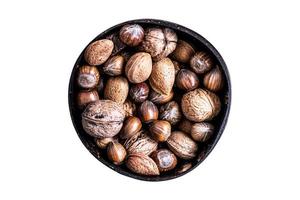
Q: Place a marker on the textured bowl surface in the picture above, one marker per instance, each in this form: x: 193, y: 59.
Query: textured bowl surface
x: 219, y: 122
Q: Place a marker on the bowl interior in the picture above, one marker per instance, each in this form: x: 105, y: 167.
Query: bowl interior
x: 219, y: 122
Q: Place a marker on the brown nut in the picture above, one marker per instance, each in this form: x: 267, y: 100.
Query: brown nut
x: 129, y: 108
x: 114, y: 66
x: 116, y: 89
x: 131, y: 126
x: 185, y: 126
x: 139, y: 92
x: 86, y: 97
x: 200, y: 105
x: 201, y: 62
x: 164, y: 159
x: 131, y: 34
x: 98, y: 52
x: 116, y: 152
x: 138, y: 67
x: 100, y: 86
x: 142, y: 164
x: 202, y: 131
x: 140, y: 143
x: 88, y: 77
x: 159, y: 42
x: 182, y: 145
x: 183, y: 52
x: 160, y: 130
x: 163, y: 76
x: 118, y: 44
x: 177, y: 66
x: 183, y: 168
x: 213, y: 80
x: 103, y: 118
x: 148, y: 112
x: 170, y: 112
x: 103, y: 142
x: 187, y: 80
x: 158, y: 98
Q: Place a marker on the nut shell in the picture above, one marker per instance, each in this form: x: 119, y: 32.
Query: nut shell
x: 183, y: 168
x: 158, y: 98
x: 86, y: 97
x: 202, y: 131
x: 200, y: 105
x: 163, y: 76
x: 116, y: 89
x: 138, y: 67
x: 183, y: 52
x: 131, y: 126
x: 160, y: 130
x: 170, y: 112
x: 140, y: 143
x: 164, y: 159
x: 139, y: 92
x: 201, y: 62
x: 116, y: 152
x: 98, y: 52
x: 213, y: 80
x: 131, y: 34
x: 185, y: 126
x: 103, y: 142
x: 148, y: 111
x: 88, y: 77
x: 103, y: 118
x: 142, y: 164
x: 182, y: 145
x: 187, y: 80
x: 129, y: 108
x: 114, y: 66
x: 159, y: 42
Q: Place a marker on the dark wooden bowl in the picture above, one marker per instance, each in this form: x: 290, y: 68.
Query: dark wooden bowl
x: 219, y: 122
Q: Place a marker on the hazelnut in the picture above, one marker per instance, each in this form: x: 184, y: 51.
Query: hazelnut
x: 164, y: 159
x: 158, y: 98
x: 131, y: 34
x: 116, y: 89
x: 138, y: 67
x: 116, y: 152
x: 160, y: 130
x: 201, y: 62
x: 159, y: 42
x: 183, y: 52
x: 200, y: 105
x: 163, y: 76
x: 139, y: 92
x: 142, y: 164
x: 182, y: 145
x: 185, y: 126
x: 118, y: 44
x: 129, y: 108
x: 170, y: 112
x: 202, y: 131
x: 131, y: 126
x: 88, y: 77
x: 148, y: 111
x: 98, y: 52
x: 114, y: 66
x: 140, y: 143
x: 103, y: 118
x: 103, y: 142
x: 187, y: 80
x: 213, y: 80
x: 86, y: 97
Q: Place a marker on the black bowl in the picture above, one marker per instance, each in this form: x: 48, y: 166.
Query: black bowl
x: 219, y: 122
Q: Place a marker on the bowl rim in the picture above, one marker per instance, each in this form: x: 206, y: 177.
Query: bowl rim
x: 187, y: 31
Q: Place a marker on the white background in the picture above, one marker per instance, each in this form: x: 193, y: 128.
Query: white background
x: 41, y: 156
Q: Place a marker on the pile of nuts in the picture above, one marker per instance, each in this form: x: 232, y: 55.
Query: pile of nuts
x: 148, y: 98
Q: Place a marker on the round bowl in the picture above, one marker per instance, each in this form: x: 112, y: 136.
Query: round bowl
x: 219, y: 122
